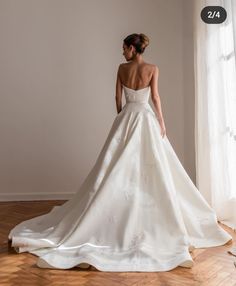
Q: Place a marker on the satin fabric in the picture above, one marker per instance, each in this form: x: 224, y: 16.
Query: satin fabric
x: 137, y: 209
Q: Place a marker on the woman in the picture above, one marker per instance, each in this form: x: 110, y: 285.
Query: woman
x: 138, y: 73
x: 137, y: 210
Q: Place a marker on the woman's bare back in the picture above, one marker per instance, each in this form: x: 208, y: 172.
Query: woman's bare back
x: 136, y: 76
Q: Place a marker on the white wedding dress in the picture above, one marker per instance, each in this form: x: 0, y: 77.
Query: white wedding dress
x: 137, y: 210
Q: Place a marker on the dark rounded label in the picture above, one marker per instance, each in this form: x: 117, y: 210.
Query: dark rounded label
x: 213, y: 14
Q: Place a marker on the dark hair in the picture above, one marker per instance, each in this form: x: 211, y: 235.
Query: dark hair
x: 139, y: 41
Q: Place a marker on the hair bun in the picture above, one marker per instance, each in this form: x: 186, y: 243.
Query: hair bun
x: 144, y: 39
x: 139, y: 41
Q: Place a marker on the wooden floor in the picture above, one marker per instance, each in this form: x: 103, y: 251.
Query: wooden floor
x: 213, y: 266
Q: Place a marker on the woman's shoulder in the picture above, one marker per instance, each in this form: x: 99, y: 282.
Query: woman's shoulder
x: 146, y: 65
x: 152, y: 66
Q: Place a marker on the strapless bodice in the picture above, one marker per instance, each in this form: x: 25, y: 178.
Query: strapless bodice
x: 138, y: 96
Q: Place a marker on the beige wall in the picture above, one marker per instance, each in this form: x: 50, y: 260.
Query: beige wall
x: 188, y: 90
x: 57, y: 81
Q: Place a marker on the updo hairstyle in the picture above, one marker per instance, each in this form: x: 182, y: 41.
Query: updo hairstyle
x: 139, y: 41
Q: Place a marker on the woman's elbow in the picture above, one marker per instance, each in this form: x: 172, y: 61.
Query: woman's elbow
x: 155, y: 98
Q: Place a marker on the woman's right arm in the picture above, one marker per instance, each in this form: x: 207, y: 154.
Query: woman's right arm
x: 156, y: 99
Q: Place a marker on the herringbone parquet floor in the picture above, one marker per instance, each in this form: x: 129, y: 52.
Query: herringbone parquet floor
x: 213, y: 266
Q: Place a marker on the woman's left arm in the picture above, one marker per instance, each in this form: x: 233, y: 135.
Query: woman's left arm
x: 118, y: 91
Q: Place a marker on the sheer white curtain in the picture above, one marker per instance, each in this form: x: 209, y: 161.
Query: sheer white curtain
x: 215, y: 109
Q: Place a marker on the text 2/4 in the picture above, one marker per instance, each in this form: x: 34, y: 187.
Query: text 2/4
x: 213, y: 14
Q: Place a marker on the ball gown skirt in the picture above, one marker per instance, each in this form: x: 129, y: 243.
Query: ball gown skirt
x: 137, y: 209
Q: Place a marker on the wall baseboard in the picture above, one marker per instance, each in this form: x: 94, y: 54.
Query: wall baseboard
x: 34, y: 197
